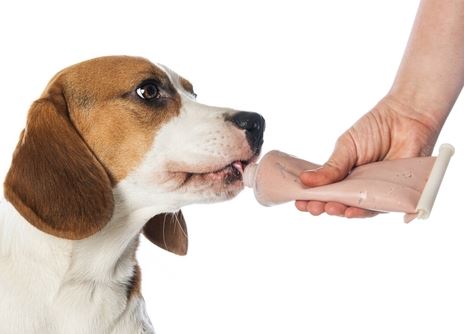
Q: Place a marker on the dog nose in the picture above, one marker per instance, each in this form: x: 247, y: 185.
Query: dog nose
x: 254, y: 125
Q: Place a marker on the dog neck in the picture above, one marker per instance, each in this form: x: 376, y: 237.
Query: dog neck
x: 76, y: 286
x: 108, y: 255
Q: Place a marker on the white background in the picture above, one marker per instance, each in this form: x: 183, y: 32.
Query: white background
x: 311, y: 68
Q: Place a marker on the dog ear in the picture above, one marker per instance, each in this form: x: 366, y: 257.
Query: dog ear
x: 168, y: 231
x: 55, y: 182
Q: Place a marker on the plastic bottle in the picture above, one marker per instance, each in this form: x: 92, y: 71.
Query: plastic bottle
x: 385, y: 186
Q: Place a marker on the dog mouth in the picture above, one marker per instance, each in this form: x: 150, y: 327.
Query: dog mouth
x: 232, y: 172
x: 229, y: 174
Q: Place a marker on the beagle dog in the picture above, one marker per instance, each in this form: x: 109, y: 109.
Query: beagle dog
x: 115, y: 146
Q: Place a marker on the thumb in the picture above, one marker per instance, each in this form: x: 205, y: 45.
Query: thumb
x: 324, y: 175
x: 335, y: 169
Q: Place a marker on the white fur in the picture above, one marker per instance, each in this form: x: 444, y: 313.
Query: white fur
x: 57, y: 286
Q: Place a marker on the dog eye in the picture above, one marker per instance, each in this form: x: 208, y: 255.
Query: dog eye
x: 148, y: 91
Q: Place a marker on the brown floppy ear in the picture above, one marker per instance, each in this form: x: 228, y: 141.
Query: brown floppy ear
x: 55, y: 182
x: 168, y: 231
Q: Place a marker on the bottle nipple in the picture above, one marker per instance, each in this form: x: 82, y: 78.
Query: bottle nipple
x: 249, y: 175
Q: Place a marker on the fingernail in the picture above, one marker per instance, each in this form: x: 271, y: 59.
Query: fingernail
x: 311, y: 170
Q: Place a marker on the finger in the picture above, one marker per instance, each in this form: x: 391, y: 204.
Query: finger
x: 301, y: 205
x: 321, y: 176
x: 353, y: 212
x: 336, y: 168
x: 315, y: 208
x: 335, y: 209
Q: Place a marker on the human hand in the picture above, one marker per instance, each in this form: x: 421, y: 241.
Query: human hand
x: 392, y: 130
x: 406, y: 123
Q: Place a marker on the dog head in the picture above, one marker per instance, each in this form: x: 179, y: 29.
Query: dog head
x: 121, y: 132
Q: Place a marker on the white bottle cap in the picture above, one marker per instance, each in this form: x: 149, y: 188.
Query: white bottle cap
x: 427, y: 198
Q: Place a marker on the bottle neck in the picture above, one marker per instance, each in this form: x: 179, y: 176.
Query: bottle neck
x: 249, y: 175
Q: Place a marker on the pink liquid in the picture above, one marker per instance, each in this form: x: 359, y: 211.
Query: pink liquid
x: 386, y: 186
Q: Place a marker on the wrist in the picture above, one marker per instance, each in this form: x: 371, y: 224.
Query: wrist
x: 417, y: 103
x: 412, y: 130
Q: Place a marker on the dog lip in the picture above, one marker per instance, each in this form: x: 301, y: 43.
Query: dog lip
x: 230, y: 173
x: 238, y: 164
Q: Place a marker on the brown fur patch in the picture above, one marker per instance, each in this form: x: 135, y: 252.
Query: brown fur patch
x: 54, y: 180
x: 168, y: 231
x: 86, y: 133
x: 133, y: 287
x: 115, y: 123
x: 186, y: 85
